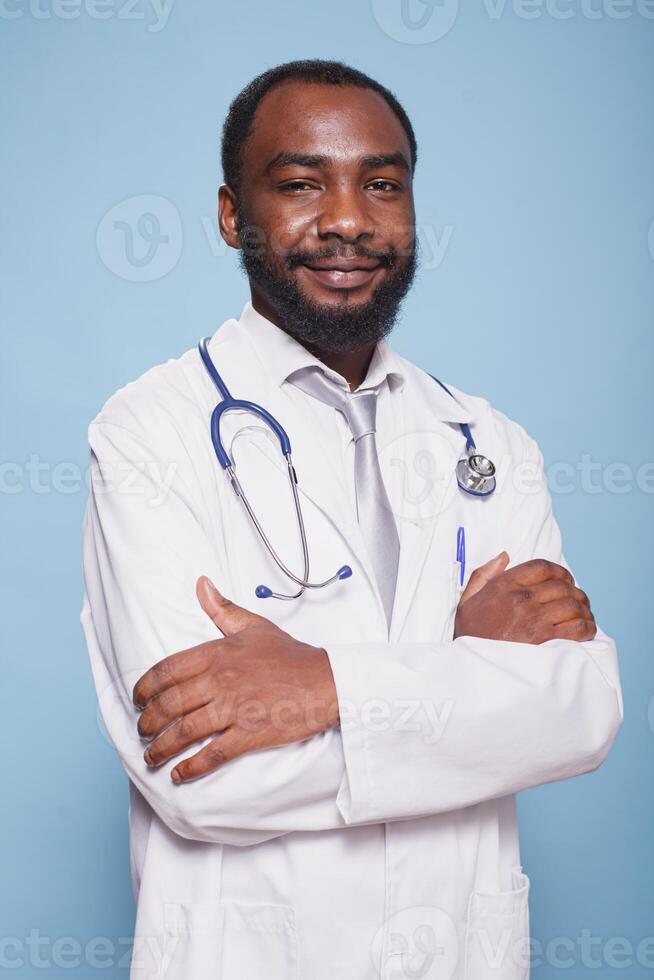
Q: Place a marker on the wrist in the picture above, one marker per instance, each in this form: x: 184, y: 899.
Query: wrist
x: 323, y: 693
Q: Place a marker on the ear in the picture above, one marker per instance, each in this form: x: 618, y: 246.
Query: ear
x: 227, y: 211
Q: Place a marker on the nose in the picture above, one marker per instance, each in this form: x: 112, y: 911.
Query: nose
x: 344, y: 215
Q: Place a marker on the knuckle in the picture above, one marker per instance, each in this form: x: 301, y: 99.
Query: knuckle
x: 531, y: 632
x: 523, y: 595
x: 229, y: 675
x: 581, y: 627
x: 168, y: 702
x: 161, y: 671
x: 185, y: 730
x: 216, y: 754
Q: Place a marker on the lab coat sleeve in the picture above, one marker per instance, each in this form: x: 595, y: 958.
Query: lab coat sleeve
x: 144, y: 550
x: 431, y: 727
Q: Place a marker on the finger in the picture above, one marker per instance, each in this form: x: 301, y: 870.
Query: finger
x: 581, y: 630
x: 174, y: 702
x: 554, y: 589
x: 175, y: 669
x: 220, y: 750
x: 227, y: 616
x: 566, y: 611
x: 482, y: 575
x: 539, y: 570
x: 186, y: 731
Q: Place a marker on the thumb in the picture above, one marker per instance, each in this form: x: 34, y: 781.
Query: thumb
x: 482, y: 575
x: 228, y: 617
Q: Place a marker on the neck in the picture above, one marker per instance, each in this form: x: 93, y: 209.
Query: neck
x: 352, y: 365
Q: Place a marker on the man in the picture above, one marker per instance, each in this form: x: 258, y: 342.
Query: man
x: 323, y: 787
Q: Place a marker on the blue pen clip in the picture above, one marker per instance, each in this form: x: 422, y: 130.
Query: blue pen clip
x: 461, y: 552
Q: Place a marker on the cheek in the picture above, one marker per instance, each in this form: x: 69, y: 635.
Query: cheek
x: 289, y: 235
x: 284, y: 229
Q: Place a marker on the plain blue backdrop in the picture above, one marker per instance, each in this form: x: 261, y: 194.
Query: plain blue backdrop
x: 535, y: 203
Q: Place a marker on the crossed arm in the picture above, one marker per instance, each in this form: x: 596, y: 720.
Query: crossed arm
x: 495, y: 711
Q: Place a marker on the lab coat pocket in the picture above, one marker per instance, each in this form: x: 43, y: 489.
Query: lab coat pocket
x: 455, y: 591
x: 229, y: 941
x: 497, y: 933
x: 260, y: 941
x: 193, y: 943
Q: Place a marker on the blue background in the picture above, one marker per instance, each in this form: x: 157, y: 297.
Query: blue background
x: 535, y: 170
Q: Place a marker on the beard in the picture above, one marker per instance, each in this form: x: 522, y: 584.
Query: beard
x: 327, y: 327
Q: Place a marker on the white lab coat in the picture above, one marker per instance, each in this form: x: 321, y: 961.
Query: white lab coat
x: 387, y: 847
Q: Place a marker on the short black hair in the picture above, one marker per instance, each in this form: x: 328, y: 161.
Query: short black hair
x: 238, y: 123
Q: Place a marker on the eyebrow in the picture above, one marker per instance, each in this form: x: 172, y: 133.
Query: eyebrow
x: 315, y: 161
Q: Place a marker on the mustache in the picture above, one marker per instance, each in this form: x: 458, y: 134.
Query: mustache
x: 386, y: 257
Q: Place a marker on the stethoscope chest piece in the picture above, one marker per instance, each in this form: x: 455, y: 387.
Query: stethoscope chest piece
x: 475, y: 473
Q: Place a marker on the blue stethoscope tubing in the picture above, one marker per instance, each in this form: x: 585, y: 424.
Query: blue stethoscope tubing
x: 475, y: 475
x: 227, y: 404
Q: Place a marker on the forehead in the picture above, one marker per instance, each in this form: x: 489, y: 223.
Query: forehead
x: 338, y: 121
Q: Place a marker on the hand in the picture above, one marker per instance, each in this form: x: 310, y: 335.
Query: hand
x: 258, y: 687
x: 530, y: 603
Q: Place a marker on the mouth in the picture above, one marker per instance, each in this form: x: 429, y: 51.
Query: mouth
x: 342, y: 273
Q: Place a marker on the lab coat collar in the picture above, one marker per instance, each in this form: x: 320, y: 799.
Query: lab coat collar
x: 282, y: 355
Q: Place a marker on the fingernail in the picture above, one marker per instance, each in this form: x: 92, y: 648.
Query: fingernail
x: 148, y: 757
x: 212, y: 586
x: 176, y: 776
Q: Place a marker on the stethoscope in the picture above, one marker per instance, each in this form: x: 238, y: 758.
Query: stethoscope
x: 475, y: 474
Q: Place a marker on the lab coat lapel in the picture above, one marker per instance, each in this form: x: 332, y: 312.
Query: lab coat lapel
x: 430, y: 446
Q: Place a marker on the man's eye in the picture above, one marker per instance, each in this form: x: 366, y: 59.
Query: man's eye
x: 297, y: 185
x: 383, y: 185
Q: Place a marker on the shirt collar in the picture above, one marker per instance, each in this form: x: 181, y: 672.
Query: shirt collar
x: 282, y: 355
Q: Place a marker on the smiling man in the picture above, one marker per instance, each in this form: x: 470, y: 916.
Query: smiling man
x: 322, y: 784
